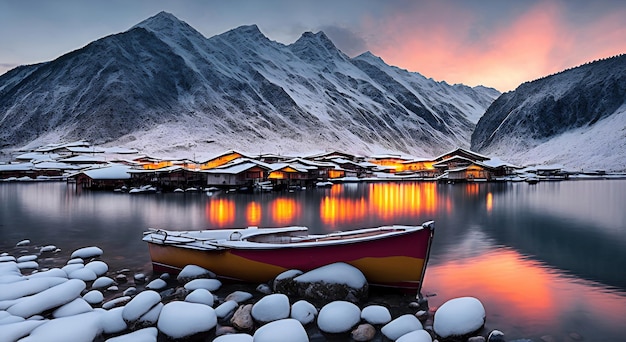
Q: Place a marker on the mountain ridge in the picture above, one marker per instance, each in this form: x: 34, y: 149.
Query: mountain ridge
x: 163, y: 86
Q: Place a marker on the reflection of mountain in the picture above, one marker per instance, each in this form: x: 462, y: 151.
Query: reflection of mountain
x: 583, y: 250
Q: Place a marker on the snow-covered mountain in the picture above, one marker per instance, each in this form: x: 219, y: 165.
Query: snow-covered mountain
x: 163, y: 86
x: 576, y: 118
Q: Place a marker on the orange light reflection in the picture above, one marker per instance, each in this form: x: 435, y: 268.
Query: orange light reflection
x: 489, y: 201
x: 284, y: 210
x: 253, y: 213
x: 220, y: 212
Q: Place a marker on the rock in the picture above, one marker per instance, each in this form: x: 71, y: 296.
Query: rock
x: 75, y: 307
x: 22, y: 243
x: 225, y: 308
x: 86, y: 253
x: 180, y: 320
x: 376, y: 314
x: 401, y: 326
x: 156, y: 284
x: 271, y: 308
x: 26, y: 258
x: 131, y: 291
x: 459, y: 317
x: 303, y: 311
x: 139, y: 277
x: 121, y: 279
x: 200, y: 296
x: 239, y: 296
x: 338, y: 317
x: 143, y: 335
x: 148, y: 319
x: 334, y: 282
x: 102, y: 282
x: 416, y: 336
x: 48, y: 299
x: 264, y: 289
x: 242, y: 319
x: 476, y: 339
x: 83, y: 327
x: 165, y: 276
x: 496, y: 336
x: 117, y: 302
x: 93, y: 297
x: 284, y: 330
x: 234, y: 338
x: 284, y: 283
x: 112, y: 321
x: 224, y: 330
x: 140, y: 305
x: 191, y: 272
x: 98, y: 267
x: 83, y: 274
x: 363, y: 332
x: 208, y: 284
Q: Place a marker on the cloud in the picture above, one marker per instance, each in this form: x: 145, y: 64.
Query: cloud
x: 345, y: 40
x: 447, y: 41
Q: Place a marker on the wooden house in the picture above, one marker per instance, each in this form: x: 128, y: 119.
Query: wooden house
x: 222, y: 159
x: 109, y: 176
x: 389, y: 162
x: 471, y: 172
x: 244, y: 173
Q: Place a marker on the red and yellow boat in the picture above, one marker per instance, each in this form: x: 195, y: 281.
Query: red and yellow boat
x: 390, y: 256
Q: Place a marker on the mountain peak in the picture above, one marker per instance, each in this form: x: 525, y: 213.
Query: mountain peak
x: 245, y: 32
x: 159, y: 21
x: 316, y: 46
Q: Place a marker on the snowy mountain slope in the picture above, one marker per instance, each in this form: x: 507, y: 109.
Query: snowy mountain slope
x: 601, y: 146
x: 529, y: 124
x: 162, y: 86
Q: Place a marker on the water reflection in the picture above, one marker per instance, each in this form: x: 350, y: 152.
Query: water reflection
x: 538, y: 299
x: 546, y: 258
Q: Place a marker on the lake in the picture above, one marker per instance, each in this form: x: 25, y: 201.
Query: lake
x: 544, y: 259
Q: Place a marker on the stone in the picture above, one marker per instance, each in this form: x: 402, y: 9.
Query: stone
x: 239, y: 296
x: 191, y: 272
x: 322, y: 285
x: 476, y: 339
x: 459, y: 317
x: 496, y: 336
x: 400, y: 326
x: 363, y: 332
x: 303, y: 311
x: 338, y: 317
x: 242, y: 319
x: 271, y: 308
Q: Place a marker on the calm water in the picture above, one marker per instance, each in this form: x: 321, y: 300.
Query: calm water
x: 545, y: 259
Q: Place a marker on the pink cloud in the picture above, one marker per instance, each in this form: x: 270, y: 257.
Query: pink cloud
x: 458, y: 48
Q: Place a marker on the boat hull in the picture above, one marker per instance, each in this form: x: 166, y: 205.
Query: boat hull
x: 395, y: 261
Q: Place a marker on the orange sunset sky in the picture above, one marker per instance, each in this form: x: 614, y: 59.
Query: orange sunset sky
x: 495, y: 43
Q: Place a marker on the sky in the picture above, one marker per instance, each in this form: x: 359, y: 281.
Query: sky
x: 495, y: 43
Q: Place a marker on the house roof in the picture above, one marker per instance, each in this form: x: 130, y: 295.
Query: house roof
x: 110, y: 171
x: 477, y: 156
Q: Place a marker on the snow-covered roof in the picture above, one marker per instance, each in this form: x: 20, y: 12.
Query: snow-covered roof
x: 84, y: 159
x: 233, y: 169
x: 34, y: 156
x: 497, y: 162
x: 16, y: 167
x: 110, y: 171
x: 55, y: 165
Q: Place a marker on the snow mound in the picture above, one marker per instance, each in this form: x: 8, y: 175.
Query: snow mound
x: 182, y: 319
x: 401, y: 326
x: 86, y: 252
x: 191, y: 272
x: 338, y: 317
x: 201, y: 296
x: 376, y: 314
x: 271, y: 308
x: 458, y: 317
x: 416, y: 336
x: 140, y: 305
x: 284, y: 330
x: 303, y: 311
x: 207, y: 284
x: 143, y: 335
x: 337, y: 273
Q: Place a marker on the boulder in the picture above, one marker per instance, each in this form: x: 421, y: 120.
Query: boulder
x: 242, y: 318
x: 364, y: 332
x: 459, y: 317
x: 338, y: 317
x: 191, y: 272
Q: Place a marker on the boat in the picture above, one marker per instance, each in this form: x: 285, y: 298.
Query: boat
x: 392, y: 256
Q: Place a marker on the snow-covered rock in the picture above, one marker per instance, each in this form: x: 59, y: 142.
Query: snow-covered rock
x: 458, y: 317
x: 102, y: 282
x: 140, y: 305
x: 93, y: 297
x: 83, y: 327
x: 284, y: 330
x: 416, y: 336
x: 338, y: 317
x: 182, y: 319
x: 98, y: 267
x: 156, y: 284
x: 142, y: 335
x: 376, y: 314
x: 338, y: 281
x: 225, y: 308
x: 207, y: 284
x: 87, y: 252
x: 200, y: 296
x: 112, y: 321
x: 234, y: 338
x: 48, y: 299
x: 271, y: 308
x: 28, y: 287
x: 75, y: 307
x: 239, y: 296
x: 401, y: 326
x: 303, y: 311
x: 84, y: 274
x: 191, y: 272
x: 17, y: 330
